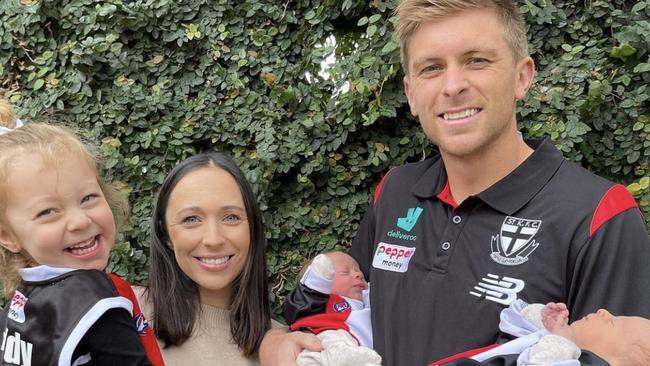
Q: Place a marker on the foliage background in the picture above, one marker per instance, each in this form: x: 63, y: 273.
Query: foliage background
x: 153, y: 81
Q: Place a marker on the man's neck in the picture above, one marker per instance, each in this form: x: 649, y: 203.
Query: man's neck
x: 470, y: 175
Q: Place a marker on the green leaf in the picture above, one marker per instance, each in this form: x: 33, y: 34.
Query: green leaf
x: 633, y: 157
x: 39, y: 84
x: 389, y: 47
x: 644, y: 183
x: 638, y: 126
x: 372, y: 29
x: 622, y: 51
x: 642, y: 68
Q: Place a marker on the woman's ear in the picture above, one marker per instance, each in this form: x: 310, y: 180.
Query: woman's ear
x: 8, y: 240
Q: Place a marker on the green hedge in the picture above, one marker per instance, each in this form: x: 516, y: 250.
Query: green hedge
x: 153, y: 81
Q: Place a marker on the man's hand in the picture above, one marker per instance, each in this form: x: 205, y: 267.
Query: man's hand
x: 281, y: 347
x: 555, y: 316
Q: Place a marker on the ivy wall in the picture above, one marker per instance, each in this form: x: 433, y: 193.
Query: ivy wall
x: 306, y: 96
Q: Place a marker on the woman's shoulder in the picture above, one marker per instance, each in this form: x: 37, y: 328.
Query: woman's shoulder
x: 276, y: 324
x: 142, y: 295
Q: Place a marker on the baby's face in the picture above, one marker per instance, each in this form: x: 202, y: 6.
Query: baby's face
x: 348, y: 279
x: 609, y: 335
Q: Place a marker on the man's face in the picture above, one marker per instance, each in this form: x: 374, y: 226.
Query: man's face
x: 463, y: 82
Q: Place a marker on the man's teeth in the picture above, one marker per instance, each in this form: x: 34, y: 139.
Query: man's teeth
x: 214, y: 261
x: 462, y: 114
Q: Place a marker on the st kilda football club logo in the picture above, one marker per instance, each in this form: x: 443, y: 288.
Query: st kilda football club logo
x: 515, y: 242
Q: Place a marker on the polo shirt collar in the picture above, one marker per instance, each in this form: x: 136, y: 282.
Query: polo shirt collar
x: 513, y: 191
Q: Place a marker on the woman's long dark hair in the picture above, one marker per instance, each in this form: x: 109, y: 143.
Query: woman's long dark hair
x: 175, y: 297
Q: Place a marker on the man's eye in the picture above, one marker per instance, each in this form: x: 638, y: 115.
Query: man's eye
x: 477, y: 61
x: 430, y: 69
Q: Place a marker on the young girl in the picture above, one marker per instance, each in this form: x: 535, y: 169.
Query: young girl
x: 208, y: 291
x: 56, y: 230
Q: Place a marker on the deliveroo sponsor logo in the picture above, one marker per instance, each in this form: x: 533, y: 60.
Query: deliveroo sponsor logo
x: 407, y: 223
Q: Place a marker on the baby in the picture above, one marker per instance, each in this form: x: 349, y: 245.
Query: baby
x: 332, y: 301
x: 546, y: 338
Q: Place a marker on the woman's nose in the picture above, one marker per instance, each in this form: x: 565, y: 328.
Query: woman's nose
x: 213, y: 234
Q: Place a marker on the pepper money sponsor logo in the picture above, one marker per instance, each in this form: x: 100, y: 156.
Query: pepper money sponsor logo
x: 392, y: 257
x: 17, y: 307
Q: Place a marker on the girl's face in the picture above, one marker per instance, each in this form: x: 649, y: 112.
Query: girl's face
x: 209, y: 232
x: 57, y: 215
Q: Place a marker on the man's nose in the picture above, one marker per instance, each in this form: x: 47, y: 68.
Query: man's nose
x: 454, y: 81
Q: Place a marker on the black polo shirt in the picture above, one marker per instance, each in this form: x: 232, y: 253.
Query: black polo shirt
x: 549, y: 231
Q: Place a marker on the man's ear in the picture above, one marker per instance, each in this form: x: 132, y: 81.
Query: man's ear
x: 8, y: 240
x: 525, y: 76
x: 409, y: 95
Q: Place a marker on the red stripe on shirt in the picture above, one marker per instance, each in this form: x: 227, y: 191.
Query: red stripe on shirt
x: 446, y: 197
x: 380, y: 186
x: 465, y: 354
x: 616, y: 200
x: 148, y: 339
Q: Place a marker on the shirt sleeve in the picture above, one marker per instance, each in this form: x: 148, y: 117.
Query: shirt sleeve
x: 611, y: 269
x: 363, y: 242
x: 113, y: 341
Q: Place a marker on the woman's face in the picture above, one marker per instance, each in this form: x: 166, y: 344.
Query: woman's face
x: 209, y: 232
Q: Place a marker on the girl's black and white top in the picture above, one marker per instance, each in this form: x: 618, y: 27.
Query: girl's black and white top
x: 63, y: 316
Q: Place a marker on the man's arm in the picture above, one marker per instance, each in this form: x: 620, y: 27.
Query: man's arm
x: 281, y: 347
x: 362, y: 244
x: 611, y: 269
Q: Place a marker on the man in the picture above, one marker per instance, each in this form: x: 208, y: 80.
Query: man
x: 450, y: 241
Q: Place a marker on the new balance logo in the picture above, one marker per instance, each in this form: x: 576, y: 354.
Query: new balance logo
x: 408, y: 222
x: 502, y: 290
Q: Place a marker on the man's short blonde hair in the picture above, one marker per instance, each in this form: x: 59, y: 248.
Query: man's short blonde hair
x: 411, y: 13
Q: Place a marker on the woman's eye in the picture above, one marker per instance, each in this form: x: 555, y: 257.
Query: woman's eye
x: 231, y: 218
x: 190, y: 220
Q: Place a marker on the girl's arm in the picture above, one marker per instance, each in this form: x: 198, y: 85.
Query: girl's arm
x: 113, y: 340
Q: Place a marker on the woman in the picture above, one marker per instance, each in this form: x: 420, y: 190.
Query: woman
x: 207, y: 291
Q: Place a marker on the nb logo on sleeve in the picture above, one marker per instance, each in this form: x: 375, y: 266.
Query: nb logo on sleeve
x: 502, y: 290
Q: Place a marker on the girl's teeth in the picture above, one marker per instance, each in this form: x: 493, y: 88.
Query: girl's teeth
x: 214, y: 261
x: 84, y: 248
x: 462, y: 114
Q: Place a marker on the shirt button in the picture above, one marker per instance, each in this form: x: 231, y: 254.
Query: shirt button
x: 456, y: 219
x: 446, y: 245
